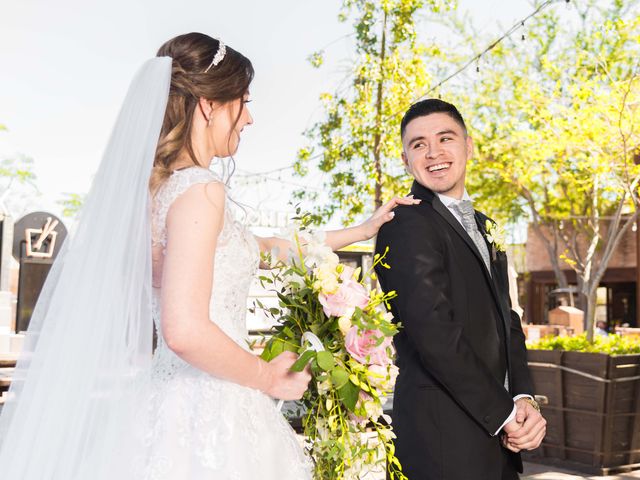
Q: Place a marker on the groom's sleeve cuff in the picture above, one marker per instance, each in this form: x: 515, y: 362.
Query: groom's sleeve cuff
x: 513, y: 412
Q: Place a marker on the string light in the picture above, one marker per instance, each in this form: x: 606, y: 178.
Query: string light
x: 518, y: 25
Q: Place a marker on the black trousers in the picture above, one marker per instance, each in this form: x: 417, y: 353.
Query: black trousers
x: 508, y: 470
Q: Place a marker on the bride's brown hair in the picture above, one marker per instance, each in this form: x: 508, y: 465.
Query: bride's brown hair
x: 225, y: 82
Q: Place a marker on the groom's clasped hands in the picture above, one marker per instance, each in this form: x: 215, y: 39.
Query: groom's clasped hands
x: 526, y: 430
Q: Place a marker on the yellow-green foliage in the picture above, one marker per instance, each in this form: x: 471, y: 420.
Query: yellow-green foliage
x: 553, y: 116
x: 611, y: 344
x: 555, y: 122
x: 357, y: 143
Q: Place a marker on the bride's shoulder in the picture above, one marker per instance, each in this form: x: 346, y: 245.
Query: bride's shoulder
x: 185, y: 188
x: 191, y: 175
x: 182, y: 180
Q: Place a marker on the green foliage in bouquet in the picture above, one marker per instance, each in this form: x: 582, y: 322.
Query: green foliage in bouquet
x: 344, y: 423
x: 610, y: 344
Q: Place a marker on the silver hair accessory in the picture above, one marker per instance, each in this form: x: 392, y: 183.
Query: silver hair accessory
x: 217, y: 58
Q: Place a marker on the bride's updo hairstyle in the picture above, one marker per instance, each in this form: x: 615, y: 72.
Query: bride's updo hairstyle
x: 194, y: 76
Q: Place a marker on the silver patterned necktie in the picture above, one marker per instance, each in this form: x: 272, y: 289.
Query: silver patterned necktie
x: 468, y: 216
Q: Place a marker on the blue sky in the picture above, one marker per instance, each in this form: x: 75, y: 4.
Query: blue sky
x: 66, y: 66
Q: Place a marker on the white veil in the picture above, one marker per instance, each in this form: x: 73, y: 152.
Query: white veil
x: 73, y: 394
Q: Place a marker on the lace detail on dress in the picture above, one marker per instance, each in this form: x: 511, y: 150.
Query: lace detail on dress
x: 177, y: 184
x: 198, y: 426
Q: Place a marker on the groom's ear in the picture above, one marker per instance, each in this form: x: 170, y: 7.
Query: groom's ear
x: 469, y: 147
x: 405, y: 161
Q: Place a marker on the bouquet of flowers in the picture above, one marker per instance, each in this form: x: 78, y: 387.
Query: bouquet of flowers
x: 350, y: 356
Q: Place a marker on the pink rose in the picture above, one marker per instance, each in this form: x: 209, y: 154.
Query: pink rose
x: 362, y: 346
x: 343, y: 302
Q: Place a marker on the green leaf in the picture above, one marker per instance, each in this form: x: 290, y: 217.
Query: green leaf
x: 325, y: 360
x: 288, y: 332
x: 339, y: 377
x: 348, y: 394
x: 302, y: 362
x: 275, y: 346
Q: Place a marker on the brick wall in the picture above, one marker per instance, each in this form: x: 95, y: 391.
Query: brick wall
x: 537, y: 259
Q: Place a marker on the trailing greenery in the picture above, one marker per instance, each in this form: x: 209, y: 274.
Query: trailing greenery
x: 347, y: 431
x: 611, y: 344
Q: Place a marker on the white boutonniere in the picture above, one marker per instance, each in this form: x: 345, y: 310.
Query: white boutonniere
x: 496, y: 235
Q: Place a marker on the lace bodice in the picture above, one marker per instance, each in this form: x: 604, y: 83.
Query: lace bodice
x: 193, y: 424
x: 235, y: 263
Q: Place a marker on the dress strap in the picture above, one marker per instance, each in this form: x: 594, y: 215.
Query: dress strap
x: 177, y: 184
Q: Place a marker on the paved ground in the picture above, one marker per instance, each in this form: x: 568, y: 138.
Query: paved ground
x: 534, y: 471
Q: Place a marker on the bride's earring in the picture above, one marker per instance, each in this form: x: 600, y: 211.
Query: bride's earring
x: 209, y: 121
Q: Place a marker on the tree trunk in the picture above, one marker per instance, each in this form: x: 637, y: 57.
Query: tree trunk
x: 552, y: 252
x: 590, y: 301
x: 377, y: 139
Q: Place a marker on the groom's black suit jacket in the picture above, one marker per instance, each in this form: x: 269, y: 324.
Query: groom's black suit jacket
x: 459, y: 338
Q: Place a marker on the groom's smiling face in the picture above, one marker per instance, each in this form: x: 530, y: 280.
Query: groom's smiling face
x: 436, y: 149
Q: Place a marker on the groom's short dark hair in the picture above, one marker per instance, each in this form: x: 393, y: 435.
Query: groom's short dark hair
x: 427, y: 107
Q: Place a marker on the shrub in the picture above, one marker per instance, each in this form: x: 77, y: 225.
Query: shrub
x: 611, y: 344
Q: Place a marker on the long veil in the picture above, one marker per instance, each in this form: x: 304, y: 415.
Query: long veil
x: 73, y: 394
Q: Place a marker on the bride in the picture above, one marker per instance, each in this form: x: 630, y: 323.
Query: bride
x: 157, y: 243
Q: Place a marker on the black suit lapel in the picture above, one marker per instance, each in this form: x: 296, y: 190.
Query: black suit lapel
x: 455, y: 224
x: 421, y: 192
x: 496, y: 265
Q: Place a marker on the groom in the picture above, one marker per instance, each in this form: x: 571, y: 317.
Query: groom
x: 463, y: 405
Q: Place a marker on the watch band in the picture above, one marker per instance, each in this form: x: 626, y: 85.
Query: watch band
x: 532, y: 402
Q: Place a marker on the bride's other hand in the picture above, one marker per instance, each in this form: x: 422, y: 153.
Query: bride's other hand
x: 385, y: 214
x: 285, y: 384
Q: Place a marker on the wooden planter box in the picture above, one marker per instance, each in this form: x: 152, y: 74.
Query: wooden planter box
x: 593, y: 420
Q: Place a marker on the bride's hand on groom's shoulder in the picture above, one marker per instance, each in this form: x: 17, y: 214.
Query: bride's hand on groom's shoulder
x: 385, y: 214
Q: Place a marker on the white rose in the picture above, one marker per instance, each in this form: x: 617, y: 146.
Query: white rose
x: 327, y: 276
x: 344, y: 324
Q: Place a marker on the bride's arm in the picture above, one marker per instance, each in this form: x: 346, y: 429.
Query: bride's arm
x: 194, y: 222
x: 337, y: 239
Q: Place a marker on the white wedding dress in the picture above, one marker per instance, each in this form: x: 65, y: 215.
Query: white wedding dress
x: 197, y: 426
